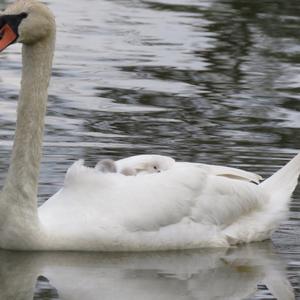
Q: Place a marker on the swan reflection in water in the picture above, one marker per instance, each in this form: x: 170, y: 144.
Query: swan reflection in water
x: 202, y: 274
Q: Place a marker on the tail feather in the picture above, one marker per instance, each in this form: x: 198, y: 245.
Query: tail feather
x: 285, y: 180
x: 278, y: 189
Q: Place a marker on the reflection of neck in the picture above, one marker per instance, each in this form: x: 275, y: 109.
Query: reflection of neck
x: 18, y: 275
x: 20, y: 190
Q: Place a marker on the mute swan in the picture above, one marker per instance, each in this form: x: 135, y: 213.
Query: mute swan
x: 187, y: 206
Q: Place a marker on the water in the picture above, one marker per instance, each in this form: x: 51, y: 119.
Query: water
x: 209, y: 81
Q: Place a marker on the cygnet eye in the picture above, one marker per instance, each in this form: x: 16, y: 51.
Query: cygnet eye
x: 156, y: 168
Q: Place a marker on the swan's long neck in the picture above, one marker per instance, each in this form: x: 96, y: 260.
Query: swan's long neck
x: 19, y: 196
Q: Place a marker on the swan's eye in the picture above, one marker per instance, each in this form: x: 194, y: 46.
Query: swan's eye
x: 23, y: 15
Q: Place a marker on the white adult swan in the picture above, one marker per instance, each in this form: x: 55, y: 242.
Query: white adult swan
x: 186, y: 206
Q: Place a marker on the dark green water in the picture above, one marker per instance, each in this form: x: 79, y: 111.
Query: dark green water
x: 207, y: 81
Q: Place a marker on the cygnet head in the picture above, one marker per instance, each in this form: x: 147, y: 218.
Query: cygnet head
x: 143, y: 168
x: 27, y: 22
x: 149, y: 167
x: 106, y: 166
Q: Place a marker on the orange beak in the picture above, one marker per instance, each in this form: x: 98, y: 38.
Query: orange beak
x: 7, y: 36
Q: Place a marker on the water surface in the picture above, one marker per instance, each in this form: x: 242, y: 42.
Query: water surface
x: 208, y: 81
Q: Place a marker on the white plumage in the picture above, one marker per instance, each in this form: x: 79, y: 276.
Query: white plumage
x: 187, y: 205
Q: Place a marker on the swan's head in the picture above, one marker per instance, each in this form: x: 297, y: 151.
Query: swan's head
x: 25, y: 21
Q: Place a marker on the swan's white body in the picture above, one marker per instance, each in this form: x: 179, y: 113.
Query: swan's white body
x: 186, y: 206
